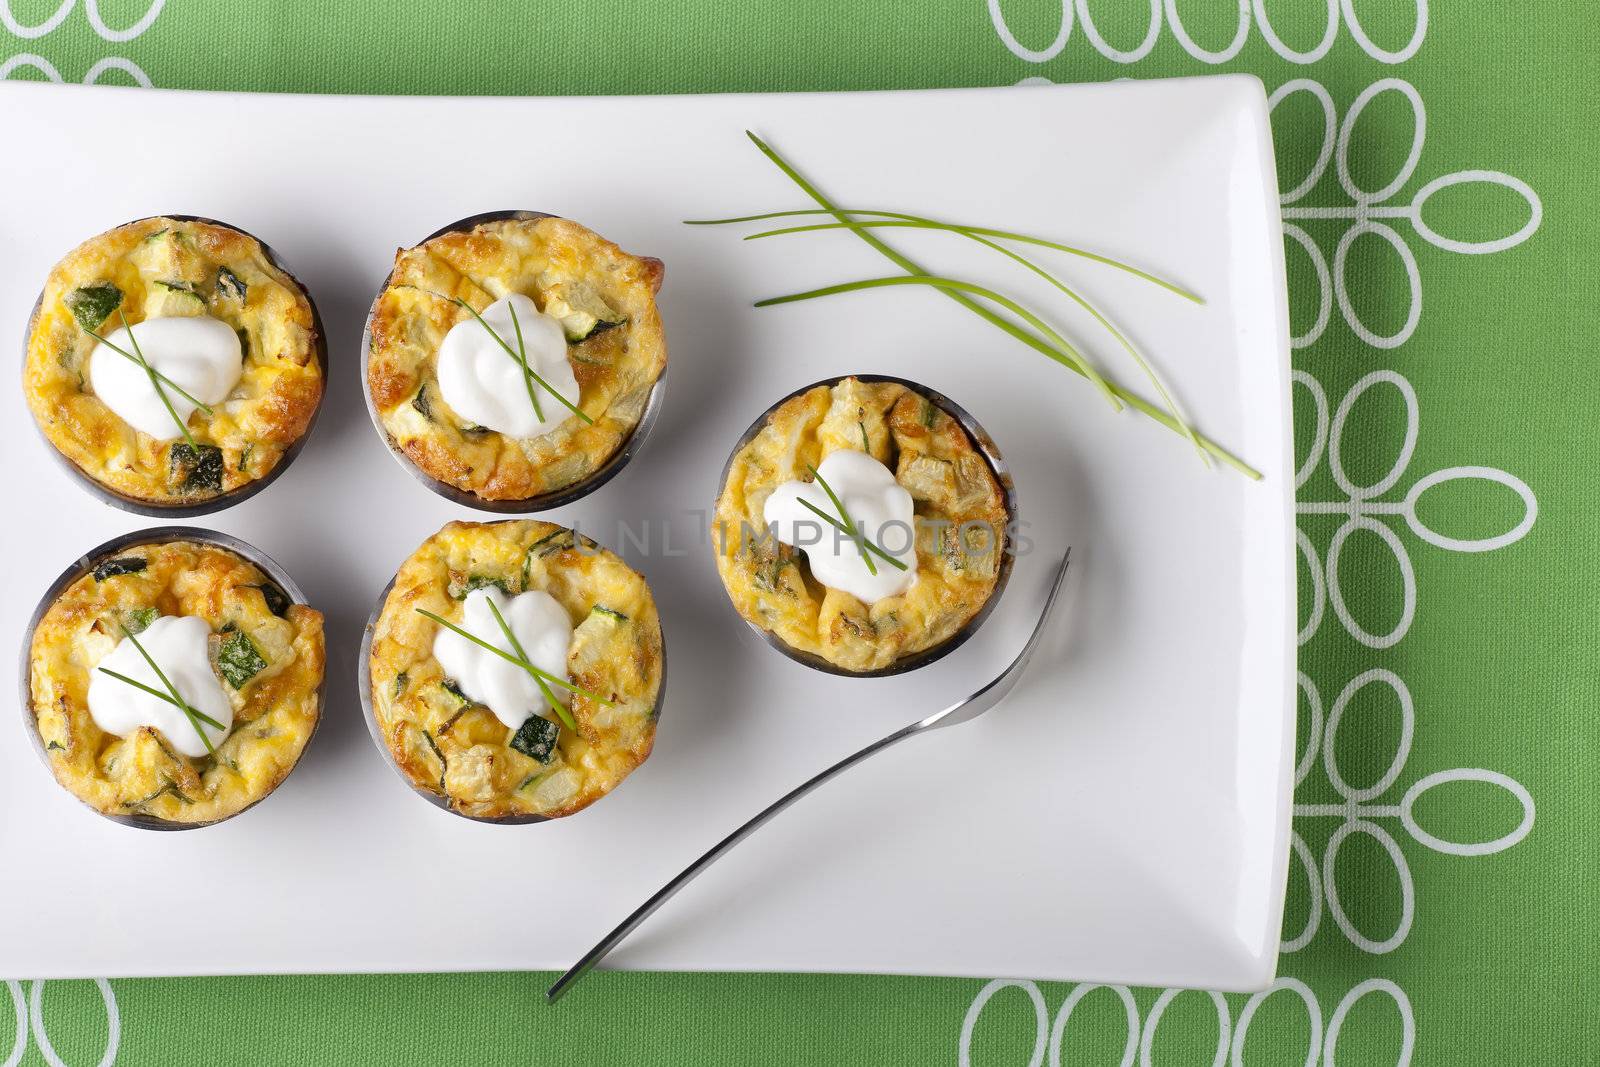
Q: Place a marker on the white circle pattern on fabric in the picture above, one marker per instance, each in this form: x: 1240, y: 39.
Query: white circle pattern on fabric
x: 41, y: 1035
x: 1250, y: 11
x: 1232, y: 1031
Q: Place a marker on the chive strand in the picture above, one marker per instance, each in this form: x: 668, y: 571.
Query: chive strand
x: 516, y: 646
x: 825, y: 517
x: 508, y: 657
x: 1071, y: 357
x: 202, y: 716
x: 570, y: 406
x: 901, y: 219
x: 155, y: 383
x: 522, y: 358
x: 1133, y: 400
x: 177, y: 698
x: 131, y: 358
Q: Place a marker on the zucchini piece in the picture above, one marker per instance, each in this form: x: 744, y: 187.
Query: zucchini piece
x: 238, y: 659
x: 600, y: 609
x: 277, y: 600
x: 458, y: 589
x: 92, y: 305
x: 550, y: 544
x: 244, y: 343
x: 421, y: 403
x: 138, y: 620
x: 451, y: 721
x: 400, y: 681
x: 582, y: 310
x: 244, y: 457
x: 157, y: 235
x: 536, y: 739
x: 930, y: 414
x: 530, y: 780
x: 444, y: 764
x: 176, y: 298
x: 229, y: 285
x: 123, y: 565
x: 196, y: 470
x: 769, y: 574
x: 449, y: 686
x: 57, y: 746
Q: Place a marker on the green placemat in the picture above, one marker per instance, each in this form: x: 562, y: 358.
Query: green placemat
x: 1438, y: 170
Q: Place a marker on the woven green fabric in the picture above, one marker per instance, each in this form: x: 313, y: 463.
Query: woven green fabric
x: 1450, y: 630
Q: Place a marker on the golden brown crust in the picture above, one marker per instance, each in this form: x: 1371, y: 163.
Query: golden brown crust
x: 274, y: 714
x: 616, y: 368
x: 952, y: 488
x: 461, y: 752
x: 269, y: 410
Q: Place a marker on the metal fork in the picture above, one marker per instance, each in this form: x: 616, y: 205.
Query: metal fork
x: 960, y: 712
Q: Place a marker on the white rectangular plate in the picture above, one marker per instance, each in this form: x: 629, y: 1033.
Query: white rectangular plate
x: 1123, y: 816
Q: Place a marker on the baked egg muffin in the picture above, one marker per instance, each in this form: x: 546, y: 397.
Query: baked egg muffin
x: 514, y: 670
x: 174, y: 364
x: 511, y: 357
x: 148, y: 617
x: 862, y: 525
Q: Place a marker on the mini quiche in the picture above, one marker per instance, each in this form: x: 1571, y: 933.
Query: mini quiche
x: 233, y: 344
x: 469, y: 725
x: 461, y: 314
x: 907, y: 477
x: 244, y: 658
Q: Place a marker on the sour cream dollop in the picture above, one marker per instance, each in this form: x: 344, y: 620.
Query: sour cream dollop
x: 881, y: 509
x: 484, y: 383
x: 179, y: 644
x: 201, y: 354
x: 544, y: 630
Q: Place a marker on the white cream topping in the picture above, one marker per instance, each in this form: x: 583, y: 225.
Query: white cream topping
x: 202, y: 355
x: 485, y: 384
x: 541, y: 626
x: 180, y: 646
x: 879, y: 506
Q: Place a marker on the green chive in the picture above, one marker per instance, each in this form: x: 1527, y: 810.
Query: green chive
x: 528, y: 370
x: 522, y: 357
x: 516, y: 646
x: 976, y: 235
x: 849, y: 526
x: 190, y: 713
x: 825, y: 517
x: 503, y: 654
x: 1038, y: 344
x: 202, y: 716
x: 124, y: 353
x: 894, y: 219
x: 1067, y: 355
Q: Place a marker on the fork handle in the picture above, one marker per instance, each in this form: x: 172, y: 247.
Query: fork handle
x: 712, y: 855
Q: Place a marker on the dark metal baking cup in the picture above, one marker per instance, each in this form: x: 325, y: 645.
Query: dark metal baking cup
x: 997, y: 466
x: 210, y: 505
x: 527, y: 505
x: 157, y: 535
x: 364, y: 683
